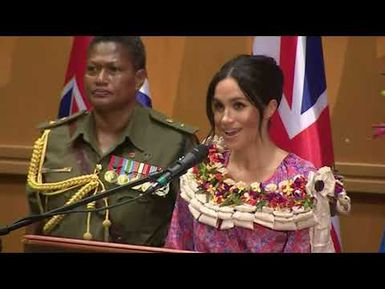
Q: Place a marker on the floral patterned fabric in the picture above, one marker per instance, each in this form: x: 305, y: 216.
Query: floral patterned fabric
x: 188, y: 234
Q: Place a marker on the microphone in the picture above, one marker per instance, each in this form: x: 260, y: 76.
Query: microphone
x: 197, y: 155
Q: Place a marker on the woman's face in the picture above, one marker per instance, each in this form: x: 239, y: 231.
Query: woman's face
x: 111, y: 79
x: 236, y: 118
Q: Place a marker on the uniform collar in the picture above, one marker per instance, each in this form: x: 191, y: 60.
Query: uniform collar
x: 85, y: 128
x: 134, y: 131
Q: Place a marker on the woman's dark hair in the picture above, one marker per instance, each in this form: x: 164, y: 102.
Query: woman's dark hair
x: 259, y: 78
x: 133, y: 44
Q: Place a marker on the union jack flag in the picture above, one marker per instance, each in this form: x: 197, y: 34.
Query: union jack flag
x: 73, y: 97
x: 302, y: 124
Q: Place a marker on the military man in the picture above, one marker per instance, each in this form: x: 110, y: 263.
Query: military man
x: 117, y: 142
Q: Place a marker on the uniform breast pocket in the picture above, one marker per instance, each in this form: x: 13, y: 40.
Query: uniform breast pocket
x: 132, y: 210
x: 140, y: 219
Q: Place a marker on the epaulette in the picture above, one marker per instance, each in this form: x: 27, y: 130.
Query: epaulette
x: 157, y: 116
x: 63, y: 120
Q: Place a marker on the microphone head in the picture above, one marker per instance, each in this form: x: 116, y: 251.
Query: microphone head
x: 201, y: 152
x: 197, y: 155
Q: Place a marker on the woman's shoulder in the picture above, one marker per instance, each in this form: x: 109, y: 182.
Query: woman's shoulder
x: 293, y: 158
x: 294, y: 165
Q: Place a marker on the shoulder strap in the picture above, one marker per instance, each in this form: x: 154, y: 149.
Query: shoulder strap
x: 161, y: 118
x: 61, y: 121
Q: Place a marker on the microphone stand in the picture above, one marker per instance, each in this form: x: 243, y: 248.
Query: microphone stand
x: 35, y: 218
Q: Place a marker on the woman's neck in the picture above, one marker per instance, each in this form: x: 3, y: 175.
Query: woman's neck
x: 254, y: 156
x: 256, y: 162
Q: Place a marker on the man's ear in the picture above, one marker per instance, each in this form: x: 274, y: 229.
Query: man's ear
x: 270, y: 108
x: 140, y: 77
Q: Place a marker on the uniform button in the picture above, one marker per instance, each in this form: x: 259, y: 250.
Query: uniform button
x: 169, y: 120
x: 182, y: 124
x: 147, y: 156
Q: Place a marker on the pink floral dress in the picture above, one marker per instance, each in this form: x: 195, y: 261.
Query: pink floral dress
x: 186, y: 233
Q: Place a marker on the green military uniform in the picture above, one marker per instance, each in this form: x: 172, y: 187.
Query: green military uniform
x: 150, y: 138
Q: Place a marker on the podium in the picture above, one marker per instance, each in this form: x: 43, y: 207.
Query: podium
x: 48, y: 244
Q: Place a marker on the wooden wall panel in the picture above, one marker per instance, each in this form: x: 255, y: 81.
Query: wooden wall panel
x: 363, y: 229
x: 203, y: 56
x: 13, y: 206
x: 357, y: 103
x: 164, y: 59
x: 31, y: 84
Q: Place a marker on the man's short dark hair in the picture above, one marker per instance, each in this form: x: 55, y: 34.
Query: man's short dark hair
x: 133, y: 45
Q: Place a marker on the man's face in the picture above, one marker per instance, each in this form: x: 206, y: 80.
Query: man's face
x: 110, y: 79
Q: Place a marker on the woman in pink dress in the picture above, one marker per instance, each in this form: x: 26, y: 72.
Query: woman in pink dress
x: 250, y: 195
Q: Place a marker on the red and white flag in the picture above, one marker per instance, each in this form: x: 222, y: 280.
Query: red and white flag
x: 302, y: 124
x: 73, y: 97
